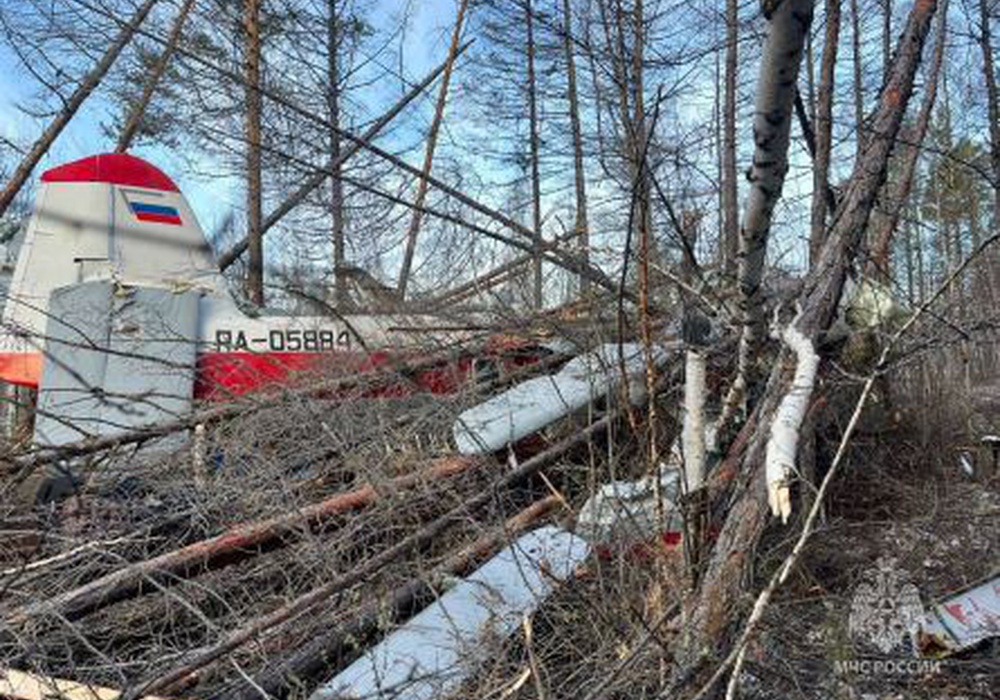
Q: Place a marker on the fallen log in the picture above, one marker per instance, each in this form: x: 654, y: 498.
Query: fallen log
x: 237, y: 542
x: 323, y: 650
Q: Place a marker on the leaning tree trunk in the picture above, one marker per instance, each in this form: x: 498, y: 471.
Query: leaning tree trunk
x: 432, y: 137
x: 779, y: 69
x: 824, y: 128
x: 72, y: 105
x: 882, y: 248
x: 712, y: 610
x: 138, y: 111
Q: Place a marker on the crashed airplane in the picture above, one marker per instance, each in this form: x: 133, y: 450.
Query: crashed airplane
x: 118, y: 314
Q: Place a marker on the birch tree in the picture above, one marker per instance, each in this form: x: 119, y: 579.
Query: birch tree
x: 714, y: 604
x: 779, y: 68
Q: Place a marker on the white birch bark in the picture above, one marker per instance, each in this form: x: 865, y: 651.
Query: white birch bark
x: 779, y: 69
x: 783, y: 445
x: 693, y: 434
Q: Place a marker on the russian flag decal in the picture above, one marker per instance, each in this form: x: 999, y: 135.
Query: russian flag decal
x: 156, y: 213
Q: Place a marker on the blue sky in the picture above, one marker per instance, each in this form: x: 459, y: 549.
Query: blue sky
x: 425, y: 43
x: 423, y: 48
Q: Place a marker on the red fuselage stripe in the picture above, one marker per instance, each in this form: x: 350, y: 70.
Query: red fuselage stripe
x: 223, y: 375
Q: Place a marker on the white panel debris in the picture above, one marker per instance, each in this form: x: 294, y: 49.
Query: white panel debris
x: 117, y: 358
x: 532, y: 405
x: 783, y: 444
x: 625, y: 512
x: 430, y: 655
x: 962, y: 620
x: 693, y: 435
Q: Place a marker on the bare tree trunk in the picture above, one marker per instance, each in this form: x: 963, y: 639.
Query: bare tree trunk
x: 859, y: 103
x: 730, y: 206
x: 715, y: 604
x: 644, y: 216
x: 993, y: 106
x: 536, y: 186
x: 72, y: 105
x: 153, y: 80
x: 581, y: 227
x: 615, y: 42
x: 720, y: 234
x: 881, y: 251
x: 776, y: 82
x: 432, y: 136
x: 644, y: 212
x: 341, y: 299
x: 824, y: 128
x: 255, y: 269
x: 993, y: 103
x: 922, y: 271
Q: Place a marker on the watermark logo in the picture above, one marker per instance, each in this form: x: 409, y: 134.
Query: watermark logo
x: 886, y: 609
x: 885, y: 616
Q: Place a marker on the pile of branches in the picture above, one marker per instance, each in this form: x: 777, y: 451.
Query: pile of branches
x: 281, y: 540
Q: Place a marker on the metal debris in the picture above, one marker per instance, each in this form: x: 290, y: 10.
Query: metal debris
x: 626, y: 512
x: 435, y: 651
x: 962, y: 620
x: 530, y: 406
